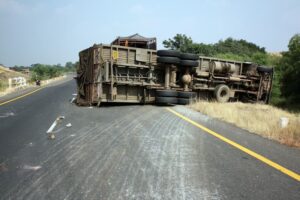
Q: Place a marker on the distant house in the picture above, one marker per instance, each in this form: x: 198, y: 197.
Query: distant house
x: 136, y: 40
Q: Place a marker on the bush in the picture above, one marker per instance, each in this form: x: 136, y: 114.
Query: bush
x: 42, y: 72
x: 290, y: 71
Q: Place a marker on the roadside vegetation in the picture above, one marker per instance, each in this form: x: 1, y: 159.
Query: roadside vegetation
x: 286, y: 85
x: 261, y: 119
x: 44, y: 71
x: 34, y: 72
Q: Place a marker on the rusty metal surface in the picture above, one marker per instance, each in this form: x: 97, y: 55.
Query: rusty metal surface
x: 136, y: 40
x: 110, y: 72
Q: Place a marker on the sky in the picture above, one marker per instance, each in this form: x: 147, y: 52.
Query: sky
x: 54, y: 31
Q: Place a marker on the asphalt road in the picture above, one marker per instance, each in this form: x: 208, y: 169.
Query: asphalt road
x: 132, y: 152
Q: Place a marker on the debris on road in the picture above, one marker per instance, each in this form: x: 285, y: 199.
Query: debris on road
x: 68, y: 125
x: 73, y: 99
x: 34, y: 168
x: 8, y: 114
x: 51, y: 136
x: 3, y: 167
x: 50, y: 130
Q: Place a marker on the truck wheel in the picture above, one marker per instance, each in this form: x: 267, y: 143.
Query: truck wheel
x: 168, y: 60
x: 185, y: 101
x: 189, y: 56
x: 187, y: 95
x: 264, y: 69
x: 166, y: 100
x: 168, y: 53
x: 166, y: 93
x: 189, y: 63
x: 222, y: 93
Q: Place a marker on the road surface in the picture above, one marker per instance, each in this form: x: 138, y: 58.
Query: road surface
x: 132, y: 152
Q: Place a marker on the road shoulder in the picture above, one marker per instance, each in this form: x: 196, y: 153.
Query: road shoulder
x: 286, y: 156
x: 31, y: 89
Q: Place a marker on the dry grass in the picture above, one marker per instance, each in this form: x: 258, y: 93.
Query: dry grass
x: 5, y: 74
x: 260, y: 119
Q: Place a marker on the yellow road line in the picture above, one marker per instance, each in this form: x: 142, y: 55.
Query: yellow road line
x: 19, y: 97
x: 240, y: 147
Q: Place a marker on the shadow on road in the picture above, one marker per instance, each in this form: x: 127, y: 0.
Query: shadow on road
x: 111, y: 104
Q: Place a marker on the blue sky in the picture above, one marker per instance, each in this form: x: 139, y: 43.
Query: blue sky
x: 54, y: 31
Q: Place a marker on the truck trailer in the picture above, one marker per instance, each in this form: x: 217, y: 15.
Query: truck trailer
x: 131, y: 70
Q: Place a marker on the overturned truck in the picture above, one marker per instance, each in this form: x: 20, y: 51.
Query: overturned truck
x: 125, y: 73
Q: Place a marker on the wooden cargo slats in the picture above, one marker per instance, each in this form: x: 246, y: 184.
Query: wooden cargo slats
x: 99, y: 65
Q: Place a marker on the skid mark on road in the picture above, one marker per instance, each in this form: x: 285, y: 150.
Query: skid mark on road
x: 154, y: 171
x: 84, y: 154
x: 55, y: 159
x: 135, y: 166
x: 145, y: 154
x: 113, y: 157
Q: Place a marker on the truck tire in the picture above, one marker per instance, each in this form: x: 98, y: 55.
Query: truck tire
x: 166, y: 93
x: 189, y: 63
x: 189, y: 56
x: 168, y: 53
x: 187, y: 95
x: 222, y: 93
x: 264, y: 69
x: 166, y: 100
x: 185, y: 101
x: 168, y: 60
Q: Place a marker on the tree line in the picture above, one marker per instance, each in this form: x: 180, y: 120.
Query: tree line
x: 286, y: 87
x: 44, y: 71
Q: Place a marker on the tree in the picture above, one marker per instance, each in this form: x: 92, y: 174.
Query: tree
x: 239, y: 47
x: 202, y: 49
x: 229, y: 48
x: 179, y: 42
x: 290, y: 71
x: 69, y: 66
